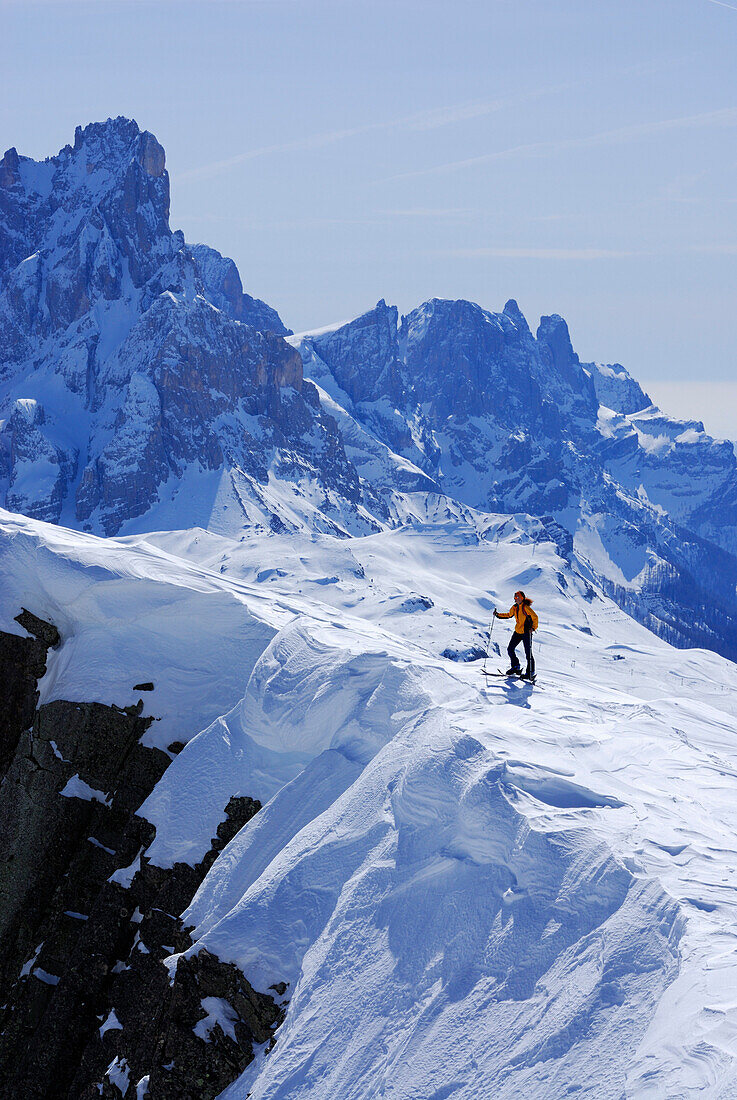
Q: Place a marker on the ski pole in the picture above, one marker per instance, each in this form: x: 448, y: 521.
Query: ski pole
x: 488, y: 647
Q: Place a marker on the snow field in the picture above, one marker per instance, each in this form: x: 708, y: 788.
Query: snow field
x: 129, y: 616
x: 472, y: 889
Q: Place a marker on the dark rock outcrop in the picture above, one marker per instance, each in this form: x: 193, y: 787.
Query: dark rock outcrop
x: 90, y: 1007
x: 23, y: 663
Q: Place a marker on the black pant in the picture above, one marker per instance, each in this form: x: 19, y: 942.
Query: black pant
x: 514, y: 641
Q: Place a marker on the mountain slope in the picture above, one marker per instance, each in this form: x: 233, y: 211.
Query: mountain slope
x: 470, y: 888
x: 141, y: 389
x: 502, y: 420
x: 133, y: 364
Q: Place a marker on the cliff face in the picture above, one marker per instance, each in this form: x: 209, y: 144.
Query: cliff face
x: 131, y: 361
x: 86, y: 921
x: 141, y: 389
x: 504, y: 419
x: 507, y: 421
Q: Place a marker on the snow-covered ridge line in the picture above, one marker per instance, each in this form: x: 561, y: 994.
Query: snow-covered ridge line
x: 424, y: 808
x: 439, y: 861
x: 473, y: 903
x: 471, y: 888
x: 394, y: 774
x: 504, y: 420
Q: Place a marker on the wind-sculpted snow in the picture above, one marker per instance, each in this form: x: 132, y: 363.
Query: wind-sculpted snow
x: 130, y: 616
x: 432, y: 938
x: 255, y: 749
x: 472, y: 888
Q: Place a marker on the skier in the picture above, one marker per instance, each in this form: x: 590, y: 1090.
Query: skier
x: 525, y: 622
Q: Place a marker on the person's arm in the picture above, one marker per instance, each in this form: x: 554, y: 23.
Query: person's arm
x: 505, y: 614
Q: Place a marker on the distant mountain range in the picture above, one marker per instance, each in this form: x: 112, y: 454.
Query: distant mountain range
x: 142, y: 389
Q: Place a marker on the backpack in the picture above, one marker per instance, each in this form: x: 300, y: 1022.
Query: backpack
x: 532, y: 617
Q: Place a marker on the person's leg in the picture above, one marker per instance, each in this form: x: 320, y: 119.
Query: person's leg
x: 530, y: 670
x: 514, y: 641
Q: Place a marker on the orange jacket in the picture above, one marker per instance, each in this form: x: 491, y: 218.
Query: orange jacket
x: 519, y: 613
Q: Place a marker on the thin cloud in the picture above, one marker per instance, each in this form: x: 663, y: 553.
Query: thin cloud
x: 722, y: 4
x: 429, y: 212
x: 421, y: 120
x: 532, y: 253
x: 540, y: 253
x: 724, y: 116
x: 716, y: 249
x: 446, y: 116
x: 270, y: 226
x: 316, y: 141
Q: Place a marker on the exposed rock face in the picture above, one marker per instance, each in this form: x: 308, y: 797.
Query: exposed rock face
x: 40, y: 471
x: 363, y: 356
x: 506, y: 421
x: 23, y: 662
x: 141, y: 388
x: 89, y: 1007
x: 225, y: 290
x: 130, y: 360
x: 213, y: 394
x: 618, y: 390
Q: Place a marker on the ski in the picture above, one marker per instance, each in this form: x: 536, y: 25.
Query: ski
x: 509, y: 676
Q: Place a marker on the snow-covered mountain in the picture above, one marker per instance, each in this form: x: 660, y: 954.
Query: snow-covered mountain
x: 265, y: 829
x: 453, y: 887
x: 141, y: 389
x: 503, y: 420
x: 134, y: 368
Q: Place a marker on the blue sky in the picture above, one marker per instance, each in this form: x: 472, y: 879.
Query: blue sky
x: 577, y: 156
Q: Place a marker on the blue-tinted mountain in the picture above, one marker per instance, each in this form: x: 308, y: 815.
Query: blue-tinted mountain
x: 141, y: 388
x: 507, y: 421
x: 135, y: 372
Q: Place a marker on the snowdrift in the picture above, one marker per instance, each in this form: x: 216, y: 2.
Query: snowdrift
x: 470, y: 887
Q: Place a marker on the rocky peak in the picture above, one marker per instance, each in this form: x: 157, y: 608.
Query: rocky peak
x: 128, y: 359
x: 117, y: 141
x: 118, y: 131
x: 363, y: 355
x: 221, y: 285
x: 553, y: 332
x: 617, y: 389
x: 464, y: 361
x: 516, y: 316
x: 112, y: 183
x: 9, y: 165
x: 569, y: 383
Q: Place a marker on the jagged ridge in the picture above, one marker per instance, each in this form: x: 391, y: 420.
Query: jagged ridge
x: 130, y: 359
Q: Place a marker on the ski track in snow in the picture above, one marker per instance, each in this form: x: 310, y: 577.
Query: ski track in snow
x: 473, y: 889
